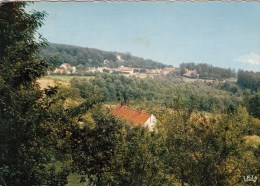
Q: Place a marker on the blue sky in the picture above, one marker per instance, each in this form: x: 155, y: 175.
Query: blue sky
x: 224, y: 34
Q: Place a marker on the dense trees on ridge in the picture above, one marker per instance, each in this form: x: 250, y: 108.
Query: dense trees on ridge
x: 45, y: 135
x: 94, y: 58
x: 208, y: 71
x: 249, y: 80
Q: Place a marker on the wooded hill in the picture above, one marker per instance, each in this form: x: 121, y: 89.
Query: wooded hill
x: 89, y: 57
x: 57, y: 54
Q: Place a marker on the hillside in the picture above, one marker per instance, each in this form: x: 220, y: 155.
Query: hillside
x: 89, y: 57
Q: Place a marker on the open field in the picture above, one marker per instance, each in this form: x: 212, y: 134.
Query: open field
x: 64, y: 80
x: 44, y: 83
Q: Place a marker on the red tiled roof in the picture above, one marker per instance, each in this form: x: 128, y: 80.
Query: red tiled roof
x: 129, y: 114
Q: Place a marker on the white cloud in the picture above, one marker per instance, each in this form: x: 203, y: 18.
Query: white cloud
x: 252, y: 59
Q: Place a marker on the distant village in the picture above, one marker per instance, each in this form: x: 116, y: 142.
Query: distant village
x: 188, y: 75
x: 66, y: 68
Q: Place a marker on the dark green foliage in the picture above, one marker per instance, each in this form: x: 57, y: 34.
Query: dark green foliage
x: 139, y: 159
x: 18, y: 47
x: 231, y: 87
x: 25, y: 156
x: 93, y: 58
x: 208, y: 151
x: 93, y: 146
x: 165, y: 91
x: 187, y: 148
x: 108, y: 152
x: 249, y: 80
x: 254, y: 105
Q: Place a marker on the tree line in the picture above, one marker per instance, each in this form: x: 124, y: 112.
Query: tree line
x: 88, y: 57
x: 208, y: 71
x: 249, y: 80
x: 165, y: 92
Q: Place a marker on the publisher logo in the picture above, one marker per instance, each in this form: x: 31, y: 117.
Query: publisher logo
x: 250, y: 178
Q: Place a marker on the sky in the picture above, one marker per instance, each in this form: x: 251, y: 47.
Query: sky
x: 223, y: 34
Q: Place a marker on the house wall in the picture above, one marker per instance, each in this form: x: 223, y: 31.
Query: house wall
x: 150, y: 123
x: 73, y: 69
x: 59, y: 70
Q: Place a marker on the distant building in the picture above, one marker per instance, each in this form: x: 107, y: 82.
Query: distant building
x: 73, y: 69
x: 59, y: 71
x: 191, y: 73
x: 92, y: 69
x: 119, y: 57
x: 153, y: 71
x: 137, y: 118
x: 65, y: 68
x: 99, y: 69
x: 168, y: 70
x: 106, y: 61
x: 126, y: 70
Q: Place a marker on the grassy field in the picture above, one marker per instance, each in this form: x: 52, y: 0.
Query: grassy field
x: 44, y: 83
x: 65, y: 78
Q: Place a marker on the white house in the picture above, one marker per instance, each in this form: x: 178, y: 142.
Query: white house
x: 65, y: 68
x: 137, y: 118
